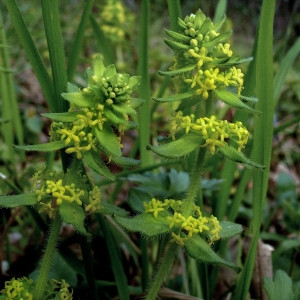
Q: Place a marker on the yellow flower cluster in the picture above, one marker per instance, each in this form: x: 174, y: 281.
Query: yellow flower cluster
x: 113, y: 19
x: 211, y: 79
x: 198, y: 43
x: 191, y: 225
x: 54, y: 192
x: 62, y: 288
x: 18, y: 289
x: 94, y: 200
x: 214, y: 132
x: 22, y: 289
x: 79, y: 135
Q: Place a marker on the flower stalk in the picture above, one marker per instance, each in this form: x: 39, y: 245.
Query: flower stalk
x: 47, y: 258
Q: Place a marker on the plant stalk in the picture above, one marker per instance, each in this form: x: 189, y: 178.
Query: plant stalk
x: 164, y: 268
x: 47, y: 259
x: 194, y: 184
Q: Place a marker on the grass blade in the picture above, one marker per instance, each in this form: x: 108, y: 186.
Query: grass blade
x: 263, y: 133
x: 56, y: 53
x: 103, y: 42
x: 31, y: 51
x: 286, y: 63
x: 77, y: 45
x: 9, y: 102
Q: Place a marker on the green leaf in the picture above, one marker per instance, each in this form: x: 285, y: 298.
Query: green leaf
x: 110, y: 209
x: 125, y: 161
x: 136, y: 102
x: 72, y: 88
x: 115, y: 119
x: 233, y: 100
x: 79, y: 99
x: 197, y: 248
x: 177, y: 36
x: 178, y: 148
x: 229, y: 229
x: 220, y: 38
x: 94, y: 162
x: 18, y: 200
x: 249, y: 99
x: 136, y: 198
x: 281, y: 288
x: 176, y: 46
x: 63, y: 117
x: 134, y: 82
x: 123, y: 108
x: 46, y: 147
x: 146, y: 224
x: 284, y: 247
x: 110, y: 71
x: 285, y: 65
x: 108, y: 141
x: 176, y: 72
x: 233, y: 61
x: 176, y: 97
x: 98, y: 66
x: 73, y: 214
x: 237, y: 156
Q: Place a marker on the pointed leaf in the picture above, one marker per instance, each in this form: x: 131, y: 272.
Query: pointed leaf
x: 73, y: 214
x: 176, y: 46
x: 134, y: 82
x: 229, y: 229
x: 115, y: 119
x: 136, y: 102
x: 79, y: 99
x: 125, y: 161
x: 108, y: 141
x: 235, y: 155
x: 110, y: 71
x: 197, y: 248
x: 146, y: 224
x: 178, y: 148
x: 249, y: 99
x: 110, y: 209
x: 72, y: 88
x: 18, y: 200
x: 176, y: 72
x: 98, y: 66
x: 63, y: 117
x: 220, y: 38
x: 46, y: 147
x: 233, y: 62
x: 93, y: 162
x: 123, y: 108
x: 233, y: 100
x: 177, y: 36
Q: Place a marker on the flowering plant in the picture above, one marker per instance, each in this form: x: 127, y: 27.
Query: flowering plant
x: 88, y: 128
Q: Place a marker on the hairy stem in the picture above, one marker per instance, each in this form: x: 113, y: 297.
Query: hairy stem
x: 165, y: 266
x: 195, y: 183
x: 47, y: 259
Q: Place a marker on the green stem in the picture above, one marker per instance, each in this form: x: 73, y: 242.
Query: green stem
x: 188, y: 205
x: 144, y: 90
x: 47, y: 259
x: 162, y: 271
x: 195, y: 183
x: 174, y: 13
